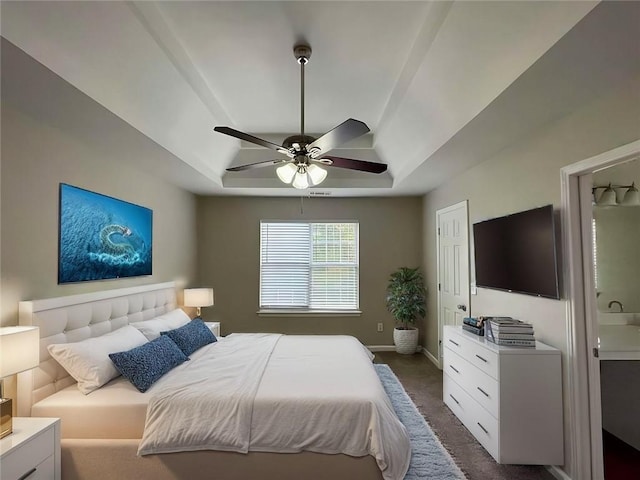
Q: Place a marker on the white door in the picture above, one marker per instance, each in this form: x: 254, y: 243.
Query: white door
x: 453, y: 267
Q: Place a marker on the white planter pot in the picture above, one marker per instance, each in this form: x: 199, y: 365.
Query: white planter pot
x: 406, y: 341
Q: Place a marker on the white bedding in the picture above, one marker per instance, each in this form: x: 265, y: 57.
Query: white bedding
x: 267, y: 392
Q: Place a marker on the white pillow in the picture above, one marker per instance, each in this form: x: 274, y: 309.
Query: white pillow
x: 168, y: 321
x: 176, y: 318
x: 88, y: 360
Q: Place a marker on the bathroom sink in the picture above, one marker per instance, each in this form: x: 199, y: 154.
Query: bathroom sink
x: 615, y: 318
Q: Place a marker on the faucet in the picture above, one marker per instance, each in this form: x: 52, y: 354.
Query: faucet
x: 619, y: 304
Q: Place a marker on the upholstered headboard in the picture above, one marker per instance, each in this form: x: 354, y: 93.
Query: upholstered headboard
x: 78, y: 317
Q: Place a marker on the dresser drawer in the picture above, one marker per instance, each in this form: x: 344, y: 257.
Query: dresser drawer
x: 473, y: 350
x: 456, y: 398
x: 478, y: 421
x: 480, y: 386
x: 36, y: 453
x: 486, y: 429
x: 44, y: 471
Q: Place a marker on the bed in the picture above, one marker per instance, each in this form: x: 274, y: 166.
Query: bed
x: 305, y: 387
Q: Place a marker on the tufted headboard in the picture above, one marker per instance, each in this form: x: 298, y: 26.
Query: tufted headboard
x: 78, y: 317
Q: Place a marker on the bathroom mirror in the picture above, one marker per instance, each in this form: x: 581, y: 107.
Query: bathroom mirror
x: 617, y: 244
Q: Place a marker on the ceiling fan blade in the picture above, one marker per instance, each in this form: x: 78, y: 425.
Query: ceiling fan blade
x: 265, y: 163
x: 347, y: 130
x: 250, y: 138
x: 351, y: 164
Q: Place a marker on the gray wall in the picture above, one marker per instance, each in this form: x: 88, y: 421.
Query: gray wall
x: 74, y: 141
x: 523, y: 176
x: 229, y: 259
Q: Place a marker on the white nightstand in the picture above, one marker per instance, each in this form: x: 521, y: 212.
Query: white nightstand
x: 215, y: 327
x: 32, y: 451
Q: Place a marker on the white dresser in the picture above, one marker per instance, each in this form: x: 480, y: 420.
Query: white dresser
x: 32, y: 451
x: 509, y: 398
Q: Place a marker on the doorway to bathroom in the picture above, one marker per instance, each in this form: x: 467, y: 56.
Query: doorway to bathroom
x: 596, y: 361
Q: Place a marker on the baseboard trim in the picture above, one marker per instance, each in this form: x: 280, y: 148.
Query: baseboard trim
x: 433, y: 359
x: 557, y: 472
x: 389, y: 348
x: 381, y: 348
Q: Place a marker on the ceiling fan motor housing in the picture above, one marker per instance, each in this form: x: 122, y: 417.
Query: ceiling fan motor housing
x: 302, y: 53
x: 301, y: 140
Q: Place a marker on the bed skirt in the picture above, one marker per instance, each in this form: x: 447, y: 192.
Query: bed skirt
x: 97, y: 459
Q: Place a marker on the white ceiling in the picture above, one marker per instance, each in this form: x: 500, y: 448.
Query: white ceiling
x: 441, y: 85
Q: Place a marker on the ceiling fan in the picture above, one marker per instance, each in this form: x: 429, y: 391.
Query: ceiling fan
x: 304, y: 153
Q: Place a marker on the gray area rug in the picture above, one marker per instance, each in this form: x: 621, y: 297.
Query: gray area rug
x: 429, y: 459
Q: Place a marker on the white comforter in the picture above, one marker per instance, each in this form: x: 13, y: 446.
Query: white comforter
x: 277, y: 393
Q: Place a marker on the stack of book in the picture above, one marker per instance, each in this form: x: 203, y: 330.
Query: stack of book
x: 509, y: 331
x: 473, y: 325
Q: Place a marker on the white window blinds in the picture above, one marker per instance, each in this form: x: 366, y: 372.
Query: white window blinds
x: 309, y: 266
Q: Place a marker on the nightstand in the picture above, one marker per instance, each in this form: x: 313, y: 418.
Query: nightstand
x: 32, y: 451
x: 215, y: 327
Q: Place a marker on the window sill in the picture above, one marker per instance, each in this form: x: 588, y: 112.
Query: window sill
x: 307, y: 313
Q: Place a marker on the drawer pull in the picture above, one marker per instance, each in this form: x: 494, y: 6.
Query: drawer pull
x: 483, y: 392
x: 28, y: 474
x: 454, y: 399
x: 454, y: 369
x: 455, y: 343
x: 483, y: 359
x: 483, y: 429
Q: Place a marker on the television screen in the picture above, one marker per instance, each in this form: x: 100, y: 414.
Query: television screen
x: 101, y: 237
x: 517, y: 253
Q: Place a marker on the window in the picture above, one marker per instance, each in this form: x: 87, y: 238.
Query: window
x: 309, y: 266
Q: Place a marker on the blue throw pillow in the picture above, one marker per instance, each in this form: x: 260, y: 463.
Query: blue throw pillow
x: 192, y: 336
x: 144, y: 365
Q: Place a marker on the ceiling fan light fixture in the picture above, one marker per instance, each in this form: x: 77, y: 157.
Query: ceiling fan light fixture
x: 286, y: 172
x: 316, y: 174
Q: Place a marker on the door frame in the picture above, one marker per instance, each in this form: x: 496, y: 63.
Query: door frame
x: 439, y: 212
x: 585, y: 409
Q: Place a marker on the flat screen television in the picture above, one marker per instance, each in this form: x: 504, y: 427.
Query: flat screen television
x: 517, y: 253
x: 102, y: 237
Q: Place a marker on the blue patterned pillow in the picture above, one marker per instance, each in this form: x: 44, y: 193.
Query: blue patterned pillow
x: 144, y: 365
x: 192, y: 336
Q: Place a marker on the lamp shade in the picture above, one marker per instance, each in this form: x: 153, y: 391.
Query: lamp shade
x: 608, y: 197
x: 631, y: 197
x: 300, y: 181
x: 19, y: 349
x: 286, y: 172
x: 316, y: 174
x: 198, y: 297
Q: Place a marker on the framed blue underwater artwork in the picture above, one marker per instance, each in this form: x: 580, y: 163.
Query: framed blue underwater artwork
x: 101, y: 237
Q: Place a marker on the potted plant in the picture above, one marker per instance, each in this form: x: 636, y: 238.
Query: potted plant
x: 406, y: 300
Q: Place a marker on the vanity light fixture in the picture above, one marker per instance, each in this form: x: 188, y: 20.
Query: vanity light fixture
x: 608, y: 197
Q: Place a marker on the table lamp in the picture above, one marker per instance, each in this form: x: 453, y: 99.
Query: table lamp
x: 198, y: 297
x: 19, y: 351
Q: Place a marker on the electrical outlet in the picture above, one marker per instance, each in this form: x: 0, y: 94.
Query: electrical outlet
x: 380, y: 327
